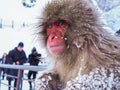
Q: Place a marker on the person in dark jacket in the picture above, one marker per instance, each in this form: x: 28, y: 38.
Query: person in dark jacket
x: 3, y: 61
x: 17, y: 56
x: 34, y: 59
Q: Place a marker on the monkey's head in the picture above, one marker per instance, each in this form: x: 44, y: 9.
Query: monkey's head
x: 67, y: 23
x: 73, y: 29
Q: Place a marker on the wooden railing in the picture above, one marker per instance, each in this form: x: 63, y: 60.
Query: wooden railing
x: 21, y: 69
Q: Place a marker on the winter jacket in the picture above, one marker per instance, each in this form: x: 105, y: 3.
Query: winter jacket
x: 14, y: 56
x: 17, y: 56
x: 34, y: 59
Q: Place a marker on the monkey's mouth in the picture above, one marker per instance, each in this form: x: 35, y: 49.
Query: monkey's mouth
x: 55, y: 46
x: 57, y: 49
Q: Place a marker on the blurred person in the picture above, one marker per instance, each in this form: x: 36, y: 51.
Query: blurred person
x: 34, y: 59
x: 16, y: 56
x: 3, y: 61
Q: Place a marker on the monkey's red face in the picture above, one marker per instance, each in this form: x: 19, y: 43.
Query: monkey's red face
x: 55, y: 32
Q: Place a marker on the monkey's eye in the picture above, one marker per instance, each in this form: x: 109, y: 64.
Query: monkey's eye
x: 60, y: 23
x: 48, y: 26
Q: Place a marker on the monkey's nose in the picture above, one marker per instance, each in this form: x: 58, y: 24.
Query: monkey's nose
x: 54, y: 37
x: 51, y: 37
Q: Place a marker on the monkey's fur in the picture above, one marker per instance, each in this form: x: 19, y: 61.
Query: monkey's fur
x: 89, y: 45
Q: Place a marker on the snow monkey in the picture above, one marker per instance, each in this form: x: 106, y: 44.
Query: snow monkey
x: 84, y: 55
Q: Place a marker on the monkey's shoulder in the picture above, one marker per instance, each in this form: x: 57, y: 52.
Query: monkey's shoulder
x: 98, y: 79
x: 48, y: 81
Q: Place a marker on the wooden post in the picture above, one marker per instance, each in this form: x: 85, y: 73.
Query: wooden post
x: 19, y: 79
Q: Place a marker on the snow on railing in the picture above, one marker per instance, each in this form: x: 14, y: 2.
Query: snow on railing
x: 21, y: 69
x: 25, y: 67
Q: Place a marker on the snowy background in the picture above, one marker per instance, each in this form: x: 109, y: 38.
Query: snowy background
x: 111, y: 9
x: 17, y: 22
x: 17, y: 18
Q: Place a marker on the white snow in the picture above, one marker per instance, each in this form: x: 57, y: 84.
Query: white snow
x: 98, y: 79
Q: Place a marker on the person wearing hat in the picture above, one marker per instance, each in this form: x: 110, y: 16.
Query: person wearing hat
x: 34, y: 59
x: 16, y: 56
